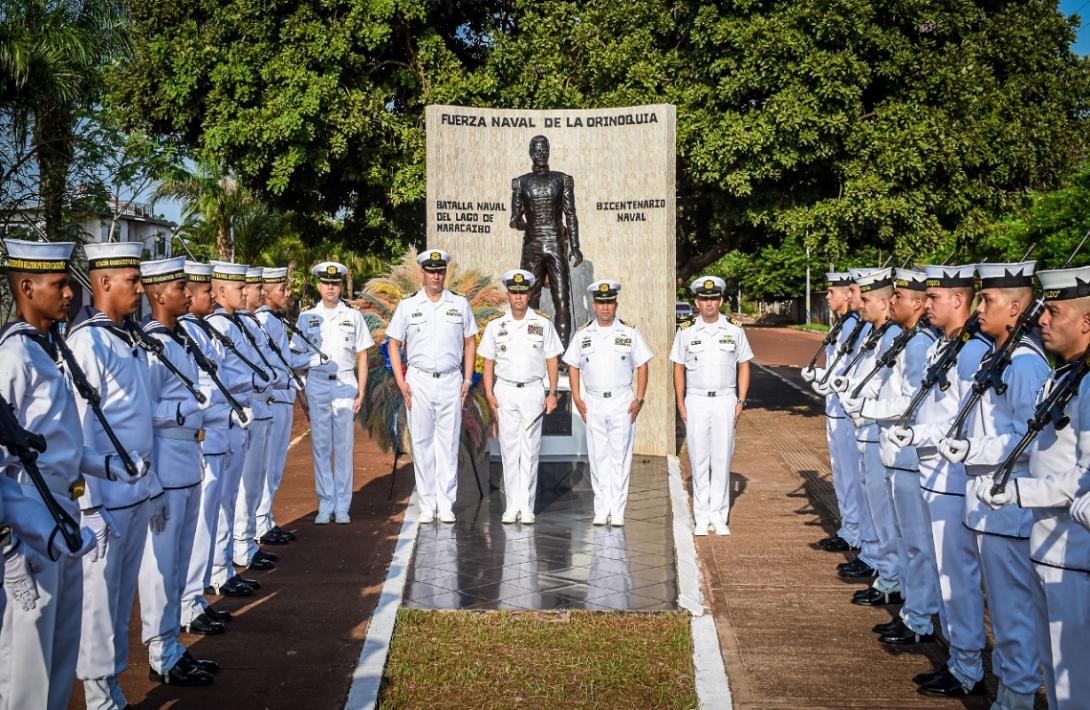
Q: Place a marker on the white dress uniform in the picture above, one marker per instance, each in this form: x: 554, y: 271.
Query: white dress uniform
x: 39, y: 646
x: 943, y: 485
x: 1002, y: 536
x: 606, y: 358
x: 178, y: 421
x: 434, y: 334
x: 710, y: 353
x: 896, y: 388
x: 519, y: 349
x: 119, y: 371
x: 341, y: 333
x: 233, y: 369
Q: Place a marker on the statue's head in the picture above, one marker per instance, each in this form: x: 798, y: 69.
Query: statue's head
x: 539, y: 150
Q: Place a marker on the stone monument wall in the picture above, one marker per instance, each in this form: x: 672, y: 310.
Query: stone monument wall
x: 623, y: 162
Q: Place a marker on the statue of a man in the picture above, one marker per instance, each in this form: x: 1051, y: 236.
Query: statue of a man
x: 543, y: 206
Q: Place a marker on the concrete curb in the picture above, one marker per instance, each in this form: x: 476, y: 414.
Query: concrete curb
x: 793, y: 385
x: 367, y: 676
x: 712, y: 683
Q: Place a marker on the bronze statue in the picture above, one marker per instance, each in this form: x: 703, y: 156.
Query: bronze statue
x: 543, y: 206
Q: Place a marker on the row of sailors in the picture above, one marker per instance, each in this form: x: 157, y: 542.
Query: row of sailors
x: 915, y: 455
x: 166, y: 440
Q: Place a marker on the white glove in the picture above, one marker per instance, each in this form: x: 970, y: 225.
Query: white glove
x: 809, y: 374
x: 87, y: 543
x: 901, y: 436
x: 1080, y: 510
x: 190, y: 405
x: 159, y: 515
x: 954, y: 450
x: 839, y: 383
x: 852, y: 405
x: 824, y: 389
x: 101, y: 525
x: 984, y: 485
x: 19, y: 569
x: 238, y: 422
x: 118, y: 472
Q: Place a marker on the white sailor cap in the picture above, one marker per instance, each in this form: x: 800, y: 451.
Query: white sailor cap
x: 857, y: 273
x: 253, y: 275
x: 225, y: 271
x: 839, y: 278
x: 875, y: 279
x: 197, y: 272
x: 113, y: 255
x: 162, y: 270
x: 38, y: 257
x: 910, y: 279
x: 330, y: 272
x: 1065, y: 284
x: 604, y: 290
x: 433, y: 260
x: 518, y: 280
x: 274, y: 275
x: 1015, y: 275
x: 951, y: 276
x: 708, y: 286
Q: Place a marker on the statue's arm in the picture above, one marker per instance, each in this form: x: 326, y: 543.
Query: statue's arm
x: 518, y: 219
x: 567, y: 204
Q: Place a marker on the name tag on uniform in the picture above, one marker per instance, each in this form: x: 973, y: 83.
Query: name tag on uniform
x: 311, y: 323
x: 586, y: 343
x: 454, y: 312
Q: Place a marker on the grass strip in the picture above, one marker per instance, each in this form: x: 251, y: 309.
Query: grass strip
x: 562, y: 659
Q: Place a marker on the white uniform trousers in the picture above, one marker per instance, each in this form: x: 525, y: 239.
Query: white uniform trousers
x: 109, y: 585
x: 1008, y: 587
x: 868, y: 538
x: 519, y: 448
x: 197, y: 577
x: 1062, y: 599
x: 709, y: 436
x: 279, y: 438
x: 920, y: 577
x: 230, y: 477
x: 878, y: 496
x: 250, y: 488
x: 610, y: 432
x: 435, y: 426
x: 958, y: 563
x: 38, y: 648
x: 332, y: 436
x: 163, y: 572
x: 844, y: 461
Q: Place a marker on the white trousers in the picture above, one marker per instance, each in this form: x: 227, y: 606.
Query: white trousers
x: 878, y: 495
x: 332, y: 436
x: 958, y: 564
x: 435, y: 426
x: 1008, y: 586
x: 610, y: 432
x: 230, y: 477
x: 198, y: 576
x: 250, y: 488
x: 109, y: 586
x: 38, y: 648
x: 279, y: 438
x: 920, y: 577
x: 844, y: 461
x: 709, y: 436
x: 868, y: 537
x: 1062, y: 600
x: 519, y: 448
x: 163, y: 573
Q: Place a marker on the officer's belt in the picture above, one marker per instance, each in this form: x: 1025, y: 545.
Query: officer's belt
x: 67, y: 491
x: 709, y: 393
x: 606, y: 394
x: 515, y: 383
x: 436, y: 375
x: 331, y: 375
x: 181, y: 434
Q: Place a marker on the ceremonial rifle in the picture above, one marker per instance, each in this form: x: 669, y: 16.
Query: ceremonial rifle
x: 26, y: 445
x: 830, y: 338
x: 889, y: 357
x: 869, y: 344
x: 1049, y: 410
x: 230, y: 345
x: 302, y: 336
x: 937, y: 372
x: 844, y: 349
x: 210, y: 369
x: 153, y: 346
x: 237, y: 319
x: 279, y: 354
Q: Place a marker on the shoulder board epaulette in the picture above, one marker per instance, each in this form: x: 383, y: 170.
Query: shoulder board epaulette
x: 546, y: 316
x: 624, y: 322
x: 735, y: 321
x: 587, y: 324
x: 684, y: 324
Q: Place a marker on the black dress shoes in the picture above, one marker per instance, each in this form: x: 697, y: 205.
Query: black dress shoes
x: 874, y: 597
x: 215, y: 615
x: 273, y: 538
x: 262, y: 555
x: 928, y: 676
x: 904, y: 636
x: 260, y: 563
x: 886, y: 627
x: 289, y: 536
x: 183, y: 674
x: 209, y: 667
x: 231, y: 588
x: 204, y: 626
x: 856, y: 570
x: 251, y: 583
x: 946, y: 685
x: 834, y: 544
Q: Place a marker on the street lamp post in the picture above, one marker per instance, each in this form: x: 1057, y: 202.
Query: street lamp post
x: 807, y: 285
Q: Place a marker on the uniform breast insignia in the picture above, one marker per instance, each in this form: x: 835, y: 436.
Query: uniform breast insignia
x: 453, y: 312
x: 535, y: 329
x: 347, y: 323
x: 313, y: 324
x: 503, y: 348
x: 695, y: 341
x: 586, y: 343
x: 501, y: 334
x: 417, y: 314
x: 726, y: 339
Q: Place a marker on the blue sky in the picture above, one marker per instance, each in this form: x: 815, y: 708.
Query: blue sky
x: 1082, y: 44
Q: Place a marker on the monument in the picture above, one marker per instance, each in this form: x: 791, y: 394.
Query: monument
x: 599, y: 201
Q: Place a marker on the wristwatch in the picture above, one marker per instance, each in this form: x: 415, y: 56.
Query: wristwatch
x: 640, y: 401
x: 552, y: 393
x: 742, y: 402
